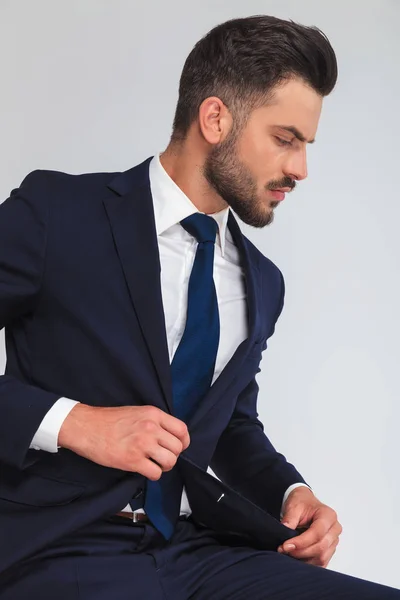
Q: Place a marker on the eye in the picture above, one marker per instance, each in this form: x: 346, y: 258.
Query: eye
x: 283, y: 142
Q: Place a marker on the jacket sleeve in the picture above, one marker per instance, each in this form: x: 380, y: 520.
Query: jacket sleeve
x: 23, y: 232
x: 245, y: 458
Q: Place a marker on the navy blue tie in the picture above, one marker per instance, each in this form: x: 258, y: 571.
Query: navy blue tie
x: 192, y: 366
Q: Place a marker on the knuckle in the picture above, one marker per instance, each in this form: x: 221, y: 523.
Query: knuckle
x: 152, y: 412
x: 141, y: 449
x: 334, y: 514
x: 148, y: 426
x: 132, y: 464
x: 179, y: 448
x: 169, y: 463
x: 182, y: 428
x: 319, y: 561
x: 154, y: 474
x: 325, y: 544
x: 129, y: 456
x: 325, y: 558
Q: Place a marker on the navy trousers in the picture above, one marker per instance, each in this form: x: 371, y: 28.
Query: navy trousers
x: 115, y: 559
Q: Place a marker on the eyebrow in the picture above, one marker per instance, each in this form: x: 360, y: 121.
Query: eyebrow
x: 296, y: 133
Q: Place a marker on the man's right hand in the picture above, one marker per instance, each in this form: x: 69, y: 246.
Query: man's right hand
x: 141, y: 439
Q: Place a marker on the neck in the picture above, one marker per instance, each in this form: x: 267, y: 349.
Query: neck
x: 185, y: 167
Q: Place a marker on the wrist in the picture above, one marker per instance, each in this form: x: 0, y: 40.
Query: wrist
x: 71, y: 434
x: 303, y: 489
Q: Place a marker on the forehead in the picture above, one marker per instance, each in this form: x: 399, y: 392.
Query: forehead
x: 294, y: 104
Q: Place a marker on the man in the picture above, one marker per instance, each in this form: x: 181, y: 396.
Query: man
x: 136, y: 313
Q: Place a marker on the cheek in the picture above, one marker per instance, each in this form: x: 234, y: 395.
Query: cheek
x: 257, y: 156
x: 260, y: 153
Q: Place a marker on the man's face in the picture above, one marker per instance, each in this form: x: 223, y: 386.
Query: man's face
x: 248, y: 165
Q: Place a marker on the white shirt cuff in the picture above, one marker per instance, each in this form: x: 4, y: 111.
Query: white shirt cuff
x: 46, y: 437
x: 290, y: 489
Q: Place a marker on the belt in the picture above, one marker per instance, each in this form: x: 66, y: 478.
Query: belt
x: 142, y: 517
x: 134, y: 516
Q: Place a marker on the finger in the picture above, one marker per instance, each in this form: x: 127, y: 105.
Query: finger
x: 314, y: 534
x: 332, y: 551
x: 186, y: 440
x: 170, y: 442
x: 163, y: 457
x: 322, y: 560
x: 149, y: 469
x: 324, y: 519
x: 319, y: 548
x: 177, y: 427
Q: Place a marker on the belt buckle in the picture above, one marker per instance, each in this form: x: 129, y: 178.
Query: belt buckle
x: 135, y: 517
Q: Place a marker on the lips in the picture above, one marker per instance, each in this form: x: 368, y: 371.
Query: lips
x: 278, y: 195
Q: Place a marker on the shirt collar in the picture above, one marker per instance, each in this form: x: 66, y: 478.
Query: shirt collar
x: 171, y: 205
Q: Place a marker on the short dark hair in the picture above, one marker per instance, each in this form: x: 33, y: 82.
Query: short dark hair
x: 242, y: 60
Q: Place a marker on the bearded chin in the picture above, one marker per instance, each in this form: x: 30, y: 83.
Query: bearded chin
x: 233, y: 182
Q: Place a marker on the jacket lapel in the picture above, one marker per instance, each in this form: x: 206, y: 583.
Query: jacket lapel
x: 132, y: 223
x: 250, y: 264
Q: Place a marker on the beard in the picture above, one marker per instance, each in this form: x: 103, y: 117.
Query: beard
x: 235, y: 184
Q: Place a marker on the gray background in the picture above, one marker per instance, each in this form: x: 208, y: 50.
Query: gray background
x: 91, y: 85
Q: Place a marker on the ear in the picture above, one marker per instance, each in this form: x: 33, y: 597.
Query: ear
x: 215, y: 120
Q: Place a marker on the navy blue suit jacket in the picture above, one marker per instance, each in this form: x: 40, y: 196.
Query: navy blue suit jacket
x: 80, y: 300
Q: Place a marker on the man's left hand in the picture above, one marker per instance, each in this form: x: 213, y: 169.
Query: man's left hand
x: 318, y: 543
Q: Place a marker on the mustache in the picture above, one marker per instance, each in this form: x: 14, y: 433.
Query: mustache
x: 284, y: 183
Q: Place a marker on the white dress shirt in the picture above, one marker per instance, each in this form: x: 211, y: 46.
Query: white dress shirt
x: 177, y: 250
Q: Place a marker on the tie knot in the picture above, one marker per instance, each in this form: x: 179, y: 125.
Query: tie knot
x: 202, y: 227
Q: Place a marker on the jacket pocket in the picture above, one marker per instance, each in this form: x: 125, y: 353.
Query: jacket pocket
x: 35, y: 490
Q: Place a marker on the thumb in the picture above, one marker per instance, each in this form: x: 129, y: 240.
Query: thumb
x: 291, y: 517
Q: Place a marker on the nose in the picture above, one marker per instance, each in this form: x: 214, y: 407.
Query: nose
x: 296, y: 167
